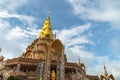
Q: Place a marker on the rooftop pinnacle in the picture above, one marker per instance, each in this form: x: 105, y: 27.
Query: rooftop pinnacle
x: 47, y: 28
x: 105, y: 71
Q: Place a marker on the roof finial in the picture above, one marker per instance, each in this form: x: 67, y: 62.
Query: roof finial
x: 79, y: 61
x: 48, y: 15
x: 1, y: 48
x: 105, y: 70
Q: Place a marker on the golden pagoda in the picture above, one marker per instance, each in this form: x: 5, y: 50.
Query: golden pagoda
x: 44, y: 59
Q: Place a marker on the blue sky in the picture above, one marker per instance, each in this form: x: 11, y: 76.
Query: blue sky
x: 88, y: 28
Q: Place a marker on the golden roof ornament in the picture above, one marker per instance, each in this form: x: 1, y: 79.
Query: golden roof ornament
x: 106, y: 76
x: 1, y: 57
x: 79, y: 61
x: 81, y: 64
x: 47, y: 28
x: 105, y: 70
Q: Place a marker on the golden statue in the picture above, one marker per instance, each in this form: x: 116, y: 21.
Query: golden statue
x: 41, y: 78
x: 53, y: 75
x: 47, y: 28
x: 106, y: 76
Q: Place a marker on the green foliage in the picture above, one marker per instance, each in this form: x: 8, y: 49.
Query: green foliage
x: 16, y: 79
x: 12, y: 78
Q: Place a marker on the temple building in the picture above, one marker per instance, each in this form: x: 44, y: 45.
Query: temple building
x: 45, y: 59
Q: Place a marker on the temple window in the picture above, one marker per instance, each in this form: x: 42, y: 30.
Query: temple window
x: 23, y: 69
x: 31, y: 70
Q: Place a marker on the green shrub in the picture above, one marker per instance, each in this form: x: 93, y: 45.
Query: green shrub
x: 11, y: 78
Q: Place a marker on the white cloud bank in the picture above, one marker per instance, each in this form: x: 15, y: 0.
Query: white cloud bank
x: 12, y: 5
x: 74, y: 38
x: 15, y: 40
x: 30, y: 20
x: 12, y: 36
x: 8, y: 9
x: 19, y: 33
x: 98, y: 10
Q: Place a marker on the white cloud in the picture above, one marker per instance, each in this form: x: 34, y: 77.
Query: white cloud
x: 98, y: 10
x: 3, y: 24
x: 78, y: 40
x: 24, y: 18
x: 8, y: 9
x: 12, y: 5
x: 15, y: 41
x: 14, y: 38
x: 69, y: 35
x: 19, y: 33
x: 74, y: 40
x: 114, y: 46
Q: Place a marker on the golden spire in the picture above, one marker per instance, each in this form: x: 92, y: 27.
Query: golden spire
x: 47, y: 28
